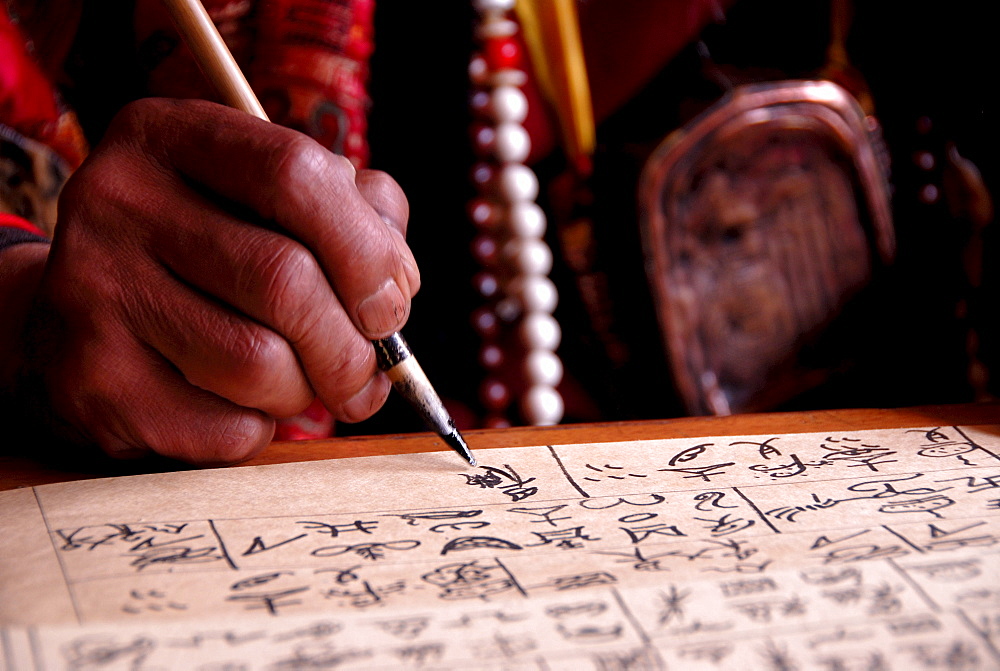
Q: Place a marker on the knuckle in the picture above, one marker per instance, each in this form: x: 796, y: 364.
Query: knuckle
x: 254, y: 353
x: 237, y: 435
x: 290, y: 279
x: 300, y: 161
x: 351, y: 367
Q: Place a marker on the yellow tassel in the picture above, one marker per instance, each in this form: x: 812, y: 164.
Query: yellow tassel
x: 551, y: 32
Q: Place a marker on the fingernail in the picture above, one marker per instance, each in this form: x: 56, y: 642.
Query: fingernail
x: 383, y: 312
x: 410, y: 268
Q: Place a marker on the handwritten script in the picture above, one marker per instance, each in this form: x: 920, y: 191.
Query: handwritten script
x: 863, y: 550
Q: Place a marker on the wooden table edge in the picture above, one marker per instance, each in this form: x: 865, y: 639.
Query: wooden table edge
x: 21, y: 471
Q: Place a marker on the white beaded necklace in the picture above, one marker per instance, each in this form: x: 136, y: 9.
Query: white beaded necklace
x: 517, y: 319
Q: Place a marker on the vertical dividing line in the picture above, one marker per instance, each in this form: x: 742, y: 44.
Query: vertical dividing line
x: 906, y: 540
x: 915, y: 586
x: 510, y: 575
x: 62, y: 567
x: 972, y: 442
x: 647, y: 644
x: 643, y: 636
x: 569, y: 478
x: 222, y: 546
x: 757, y: 510
x: 8, y: 652
x: 962, y: 615
x: 37, y: 660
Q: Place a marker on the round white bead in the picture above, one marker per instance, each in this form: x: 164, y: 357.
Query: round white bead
x: 507, y: 103
x: 496, y: 28
x: 508, y: 77
x: 536, y: 293
x: 511, y: 143
x: 484, y: 6
x: 542, y: 366
x: 526, y: 220
x: 539, y: 331
x: 542, y: 406
x: 530, y: 256
x: 517, y: 183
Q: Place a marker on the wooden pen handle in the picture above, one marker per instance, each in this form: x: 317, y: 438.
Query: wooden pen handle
x: 213, y: 56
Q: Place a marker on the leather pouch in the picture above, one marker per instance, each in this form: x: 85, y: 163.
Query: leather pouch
x: 761, y: 219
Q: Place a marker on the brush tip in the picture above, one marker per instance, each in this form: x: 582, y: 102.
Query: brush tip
x: 457, y: 443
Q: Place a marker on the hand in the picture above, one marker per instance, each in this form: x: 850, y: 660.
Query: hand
x: 211, y: 272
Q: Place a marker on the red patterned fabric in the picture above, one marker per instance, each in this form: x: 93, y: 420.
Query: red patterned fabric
x: 28, y: 101
x: 14, y: 221
x: 306, y: 59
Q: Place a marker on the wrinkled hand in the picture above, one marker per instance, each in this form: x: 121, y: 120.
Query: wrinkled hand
x: 212, y: 272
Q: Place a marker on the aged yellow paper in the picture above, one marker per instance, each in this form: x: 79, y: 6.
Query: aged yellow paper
x: 857, y: 550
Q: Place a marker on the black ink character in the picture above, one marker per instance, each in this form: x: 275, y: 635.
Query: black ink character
x: 706, y: 473
x: 335, y: 530
x: 569, y: 582
x: 639, y: 561
x: 506, y: 647
x: 257, y: 581
x: 150, y: 600
x: 477, y: 542
x: 436, y: 515
x: 545, y: 513
x: 976, y: 484
x: 725, y: 525
x: 369, y: 551
x: 690, y: 454
x: 599, y: 504
x: 91, y: 652
x: 269, y: 601
x: 319, y: 656
x: 258, y: 545
x: 419, y: 655
x: 860, y: 453
x: 735, y: 588
x: 938, y: 444
x: 616, y: 475
x: 567, y: 539
x: 672, y: 606
x: 472, y: 580
x: 765, y: 449
x: 585, y: 609
x: 407, y: 629
x: 317, y: 630
x: 713, y: 499
x: 368, y: 594
x: 639, y: 534
x: 929, y: 504
x: 591, y: 633
x: 413, y: 518
x: 496, y: 478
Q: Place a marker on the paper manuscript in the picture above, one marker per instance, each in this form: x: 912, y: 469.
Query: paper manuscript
x: 857, y: 550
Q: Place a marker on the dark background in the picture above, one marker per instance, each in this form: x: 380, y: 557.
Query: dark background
x: 929, y: 68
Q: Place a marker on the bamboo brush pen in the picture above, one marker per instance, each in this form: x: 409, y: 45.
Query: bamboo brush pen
x: 394, y: 355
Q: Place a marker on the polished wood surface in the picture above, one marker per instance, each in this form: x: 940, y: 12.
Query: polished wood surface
x: 25, y: 471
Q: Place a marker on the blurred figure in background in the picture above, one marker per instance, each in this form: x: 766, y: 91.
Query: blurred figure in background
x: 547, y: 296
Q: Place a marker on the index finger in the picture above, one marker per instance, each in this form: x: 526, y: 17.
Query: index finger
x: 288, y: 180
